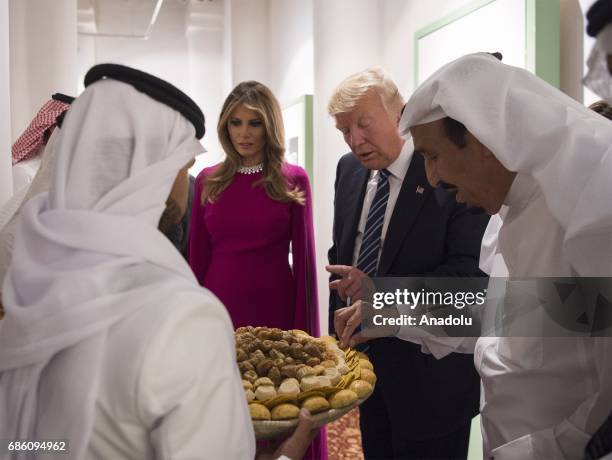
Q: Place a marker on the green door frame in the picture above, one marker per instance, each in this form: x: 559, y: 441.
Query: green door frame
x: 542, y: 36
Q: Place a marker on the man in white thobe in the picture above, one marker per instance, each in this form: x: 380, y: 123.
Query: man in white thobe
x: 544, y: 156
x: 108, y: 342
x: 527, y: 146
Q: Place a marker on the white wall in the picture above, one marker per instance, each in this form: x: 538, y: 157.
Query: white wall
x: 20, y: 96
x: 86, y: 54
x: 42, y: 62
x: 207, y: 67
x: 164, y: 54
x: 271, y: 41
x: 290, y: 45
x: 186, y: 48
x: 249, y: 41
x: 42, y: 59
x: 6, y: 180
x: 227, y: 71
x: 572, y: 57
x: 399, y: 21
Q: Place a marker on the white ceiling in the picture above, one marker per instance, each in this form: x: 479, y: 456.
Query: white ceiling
x: 122, y: 18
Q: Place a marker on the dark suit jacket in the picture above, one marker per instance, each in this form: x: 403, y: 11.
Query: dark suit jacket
x: 180, y: 235
x: 429, y: 234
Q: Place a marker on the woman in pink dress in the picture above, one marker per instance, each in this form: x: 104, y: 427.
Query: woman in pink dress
x: 248, y: 211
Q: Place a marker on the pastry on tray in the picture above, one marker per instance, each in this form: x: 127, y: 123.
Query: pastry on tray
x: 285, y: 370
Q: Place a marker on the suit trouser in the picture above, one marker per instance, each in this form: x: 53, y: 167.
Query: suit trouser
x: 421, y: 408
x: 378, y: 442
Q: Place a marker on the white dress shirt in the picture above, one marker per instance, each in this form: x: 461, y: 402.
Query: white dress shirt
x: 489, y: 250
x: 398, y: 170
x: 542, y: 398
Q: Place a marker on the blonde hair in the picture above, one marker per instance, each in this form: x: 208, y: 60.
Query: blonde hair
x: 348, y: 93
x: 254, y: 96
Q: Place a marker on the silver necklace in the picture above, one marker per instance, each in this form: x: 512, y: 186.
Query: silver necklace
x: 251, y: 169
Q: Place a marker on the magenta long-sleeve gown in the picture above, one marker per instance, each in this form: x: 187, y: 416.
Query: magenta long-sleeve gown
x: 239, y: 249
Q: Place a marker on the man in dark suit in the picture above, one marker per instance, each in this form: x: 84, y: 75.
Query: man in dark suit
x: 388, y: 221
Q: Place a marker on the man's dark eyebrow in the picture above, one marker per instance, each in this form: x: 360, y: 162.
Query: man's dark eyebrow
x: 419, y: 152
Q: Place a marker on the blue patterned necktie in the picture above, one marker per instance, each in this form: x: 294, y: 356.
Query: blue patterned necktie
x: 367, y: 261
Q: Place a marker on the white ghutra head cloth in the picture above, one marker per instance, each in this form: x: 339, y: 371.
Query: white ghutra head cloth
x: 88, y: 253
x: 534, y: 129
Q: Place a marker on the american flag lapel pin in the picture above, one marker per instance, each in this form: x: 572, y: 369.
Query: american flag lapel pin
x: 420, y: 190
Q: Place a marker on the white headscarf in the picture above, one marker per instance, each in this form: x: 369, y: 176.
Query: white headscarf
x: 534, y: 129
x: 87, y: 254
